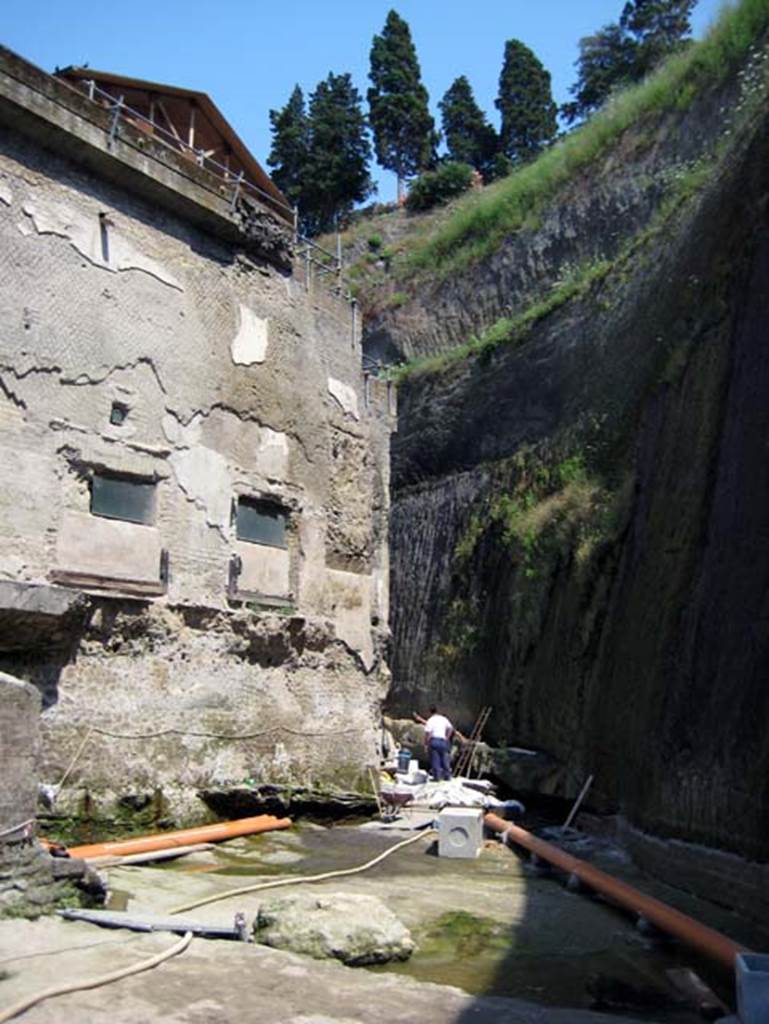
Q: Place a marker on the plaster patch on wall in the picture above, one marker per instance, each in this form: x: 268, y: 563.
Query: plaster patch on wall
x: 250, y: 343
x: 348, y: 603
x: 185, y: 435
x: 101, y: 244
x: 272, y: 454
x: 6, y: 196
x: 204, y: 476
x: 345, y: 396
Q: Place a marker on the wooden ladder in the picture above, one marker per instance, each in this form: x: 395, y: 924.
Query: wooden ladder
x: 465, y: 759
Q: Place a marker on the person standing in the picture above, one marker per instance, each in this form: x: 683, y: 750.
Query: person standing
x: 438, y: 733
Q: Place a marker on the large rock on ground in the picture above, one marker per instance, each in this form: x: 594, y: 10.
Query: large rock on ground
x: 354, y: 929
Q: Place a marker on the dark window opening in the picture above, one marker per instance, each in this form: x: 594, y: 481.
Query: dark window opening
x: 132, y: 500
x: 260, y: 522
x: 118, y: 414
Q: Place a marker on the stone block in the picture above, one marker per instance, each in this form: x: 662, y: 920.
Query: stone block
x: 354, y: 929
x: 19, y: 740
x: 265, y: 570
x: 460, y: 832
x: 94, y: 546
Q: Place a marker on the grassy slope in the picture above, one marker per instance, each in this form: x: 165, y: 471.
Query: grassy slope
x: 481, y: 222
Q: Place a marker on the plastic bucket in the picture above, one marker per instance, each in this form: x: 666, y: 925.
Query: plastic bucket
x: 752, y: 977
x: 404, y: 756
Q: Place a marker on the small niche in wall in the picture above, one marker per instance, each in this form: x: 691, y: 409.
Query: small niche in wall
x: 118, y: 414
x: 122, y: 497
x: 260, y: 522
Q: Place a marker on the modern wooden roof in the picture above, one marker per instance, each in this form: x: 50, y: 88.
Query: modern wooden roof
x: 189, y: 116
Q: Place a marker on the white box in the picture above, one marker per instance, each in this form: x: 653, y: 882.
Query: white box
x: 460, y: 832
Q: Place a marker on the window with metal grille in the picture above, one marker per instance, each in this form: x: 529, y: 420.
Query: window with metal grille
x: 127, y: 498
x: 260, y: 522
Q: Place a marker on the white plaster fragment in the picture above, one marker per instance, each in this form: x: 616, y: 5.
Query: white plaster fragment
x: 204, y: 476
x: 250, y: 343
x: 172, y: 428
x: 24, y: 227
x: 101, y: 244
x: 185, y: 435
x: 345, y: 395
x: 6, y: 196
x: 348, y: 602
x: 272, y: 454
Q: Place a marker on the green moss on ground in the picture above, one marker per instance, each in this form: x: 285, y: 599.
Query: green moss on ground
x: 462, y: 934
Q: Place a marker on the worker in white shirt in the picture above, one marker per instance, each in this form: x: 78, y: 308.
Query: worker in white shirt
x: 438, y: 733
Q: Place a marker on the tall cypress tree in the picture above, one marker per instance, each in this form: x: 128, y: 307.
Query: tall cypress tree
x: 469, y: 137
x: 525, y: 102
x: 290, y: 147
x: 404, y: 131
x: 339, y: 153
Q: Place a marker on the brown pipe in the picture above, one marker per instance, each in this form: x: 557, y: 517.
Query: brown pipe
x: 182, y: 837
x: 698, y: 936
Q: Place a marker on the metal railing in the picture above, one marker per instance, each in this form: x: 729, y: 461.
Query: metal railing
x: 236, y: 183
x: 317, y: 260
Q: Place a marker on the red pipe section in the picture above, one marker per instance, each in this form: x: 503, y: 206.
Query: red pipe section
x: 698, y: 936
x: 183, y: 837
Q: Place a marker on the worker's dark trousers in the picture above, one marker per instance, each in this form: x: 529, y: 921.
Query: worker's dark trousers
x: 440, y: 759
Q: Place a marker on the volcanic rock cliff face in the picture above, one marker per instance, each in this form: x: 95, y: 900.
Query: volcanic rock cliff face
x: 579, y: 517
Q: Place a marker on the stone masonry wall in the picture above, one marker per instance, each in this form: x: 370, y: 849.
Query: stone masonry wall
x: 27, y: 882
x: 231, y: 380
x: 19, y: 748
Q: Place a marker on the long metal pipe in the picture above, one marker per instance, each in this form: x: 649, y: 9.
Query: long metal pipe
x: 705, y: 940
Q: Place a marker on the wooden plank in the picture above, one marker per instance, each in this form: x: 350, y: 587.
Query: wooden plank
x: 169, y: 122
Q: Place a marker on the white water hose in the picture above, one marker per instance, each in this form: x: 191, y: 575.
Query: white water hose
x: 81, y: 984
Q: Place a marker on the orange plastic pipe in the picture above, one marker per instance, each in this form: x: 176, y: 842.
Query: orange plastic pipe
x: 705, y: 940
x: 182, y: 837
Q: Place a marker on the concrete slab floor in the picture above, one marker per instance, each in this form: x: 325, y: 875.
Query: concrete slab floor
x: 539, y: 957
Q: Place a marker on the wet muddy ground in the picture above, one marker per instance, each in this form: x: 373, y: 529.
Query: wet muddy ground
x: 496, y: 926
x: 492, y: 927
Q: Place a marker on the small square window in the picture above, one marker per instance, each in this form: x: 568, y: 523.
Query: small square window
x: 118, y: 414
x: 260, y: 522
x: 126, y: 498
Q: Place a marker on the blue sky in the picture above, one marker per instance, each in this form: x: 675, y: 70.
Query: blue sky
x: 248, y: 54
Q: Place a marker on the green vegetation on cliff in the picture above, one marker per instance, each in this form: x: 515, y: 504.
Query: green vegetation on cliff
x: 575, y: 282
x: 480, y: 223
x: 581, y: 282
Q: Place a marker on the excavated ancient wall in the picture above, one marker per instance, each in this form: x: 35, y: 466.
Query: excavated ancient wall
x: 136, y: 346
x: 578, y: 529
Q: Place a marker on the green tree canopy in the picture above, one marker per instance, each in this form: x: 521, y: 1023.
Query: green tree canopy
x: 470, y: 139
x: 290, y: 147
x: 339, y: 154
x: 525, y: 102
x: 320, y: 158
x: 404, y: 131
x: 623, y: 52
x: 658, y: 28
x: 606, y: 61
